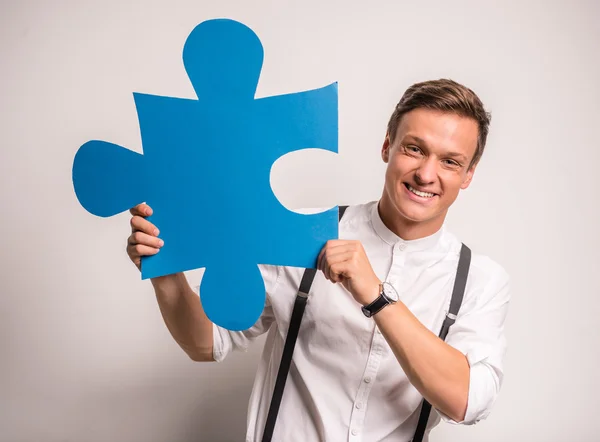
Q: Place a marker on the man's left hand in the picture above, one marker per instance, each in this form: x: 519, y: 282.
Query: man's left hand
x: 346, y: 262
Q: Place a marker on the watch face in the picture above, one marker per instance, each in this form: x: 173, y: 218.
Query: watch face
x: 390, y: 292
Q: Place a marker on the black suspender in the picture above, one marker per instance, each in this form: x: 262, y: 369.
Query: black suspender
x: 296, y: 319
x: 457, y: 296
x: 288, y: 348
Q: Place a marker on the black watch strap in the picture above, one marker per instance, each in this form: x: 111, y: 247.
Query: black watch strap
x: 372, y: 308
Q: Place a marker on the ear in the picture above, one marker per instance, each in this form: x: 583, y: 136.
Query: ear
x: 385, y: 149
x: 469, y: 177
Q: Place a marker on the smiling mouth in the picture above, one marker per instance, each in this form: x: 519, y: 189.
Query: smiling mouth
x: 418, y: 192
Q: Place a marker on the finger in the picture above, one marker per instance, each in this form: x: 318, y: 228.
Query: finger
x: 143, y: 225
x: 325, y: 269
x: 328, y: 273
x: 336, y: 243
x: 343, y: 262
x: 322, y: 264
x: 336, y: 255
x: 332, y: 246
x: 141, y: 210
x: 140, y: 250
x: 330, y: 259
x: 340, y: 248
x: 337, y: 272
x: 337, y: 258
x: 145, y: 240
x: 321, y: 260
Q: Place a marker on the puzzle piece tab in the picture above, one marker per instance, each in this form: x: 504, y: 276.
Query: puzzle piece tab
x: 206, y: 169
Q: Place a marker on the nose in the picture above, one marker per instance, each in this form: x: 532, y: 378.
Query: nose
x: 426, y: 172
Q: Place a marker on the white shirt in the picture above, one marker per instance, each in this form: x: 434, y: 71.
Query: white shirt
x: 345, y: 384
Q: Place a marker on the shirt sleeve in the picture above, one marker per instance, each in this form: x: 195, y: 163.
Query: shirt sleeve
x: 478, y: 333
x: 225, y: 341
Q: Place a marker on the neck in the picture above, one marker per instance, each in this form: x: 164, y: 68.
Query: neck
x: 405, y: 228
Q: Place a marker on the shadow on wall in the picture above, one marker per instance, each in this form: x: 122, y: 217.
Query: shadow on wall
x: 221, y: 416
x: 193, y: 402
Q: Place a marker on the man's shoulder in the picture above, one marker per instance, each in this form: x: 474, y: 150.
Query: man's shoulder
x: 485, y: 265
x: 480, y: 261
x: 489, y: 279
x: 486, y: 275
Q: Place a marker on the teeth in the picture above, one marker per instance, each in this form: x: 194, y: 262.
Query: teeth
x: 419, y: 193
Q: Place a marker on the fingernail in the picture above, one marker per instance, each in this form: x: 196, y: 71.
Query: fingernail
x: 161, y: 243
x: 155, y: 232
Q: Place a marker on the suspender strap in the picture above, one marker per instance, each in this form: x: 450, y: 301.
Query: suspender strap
x: 457, y: 296
x: 284, y: 366
x: 288, y: 348
x: 307, y: 280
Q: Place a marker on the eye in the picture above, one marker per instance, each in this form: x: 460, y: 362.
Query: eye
x: 452, y: 163
x: 411, y: 148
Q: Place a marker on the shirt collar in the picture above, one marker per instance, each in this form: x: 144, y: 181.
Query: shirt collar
x: 392, y: 239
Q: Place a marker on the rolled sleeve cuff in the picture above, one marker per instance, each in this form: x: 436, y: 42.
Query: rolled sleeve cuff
x: 222, y: 344
x: 484, y: 384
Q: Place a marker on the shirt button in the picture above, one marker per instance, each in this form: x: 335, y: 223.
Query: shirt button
x: 358, y: 405
x: 354, y: 432
x: 402, y: 246
x: 368, y: 379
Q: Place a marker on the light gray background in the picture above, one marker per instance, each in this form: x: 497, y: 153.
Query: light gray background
x: 84, y: 353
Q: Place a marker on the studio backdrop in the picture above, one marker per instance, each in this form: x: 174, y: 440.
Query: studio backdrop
x: 84, y: 353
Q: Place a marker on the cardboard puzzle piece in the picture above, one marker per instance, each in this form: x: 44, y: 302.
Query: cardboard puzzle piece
x: 206, y: 168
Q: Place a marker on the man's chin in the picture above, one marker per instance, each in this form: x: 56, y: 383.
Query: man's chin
x: 418, y: 216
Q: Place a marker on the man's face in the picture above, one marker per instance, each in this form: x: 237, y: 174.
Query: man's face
x: 428, y: 164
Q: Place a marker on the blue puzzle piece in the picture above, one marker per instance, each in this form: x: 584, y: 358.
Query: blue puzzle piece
x: 206, y: 173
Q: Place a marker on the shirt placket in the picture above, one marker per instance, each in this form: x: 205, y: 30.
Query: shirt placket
x: 359, y: 408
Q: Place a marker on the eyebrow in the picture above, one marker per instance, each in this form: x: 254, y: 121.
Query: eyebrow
x: 448, y: 154
x: 457, y: 155
x: 417, y: 139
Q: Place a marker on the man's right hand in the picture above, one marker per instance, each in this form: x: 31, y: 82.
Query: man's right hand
x: 143, y: 240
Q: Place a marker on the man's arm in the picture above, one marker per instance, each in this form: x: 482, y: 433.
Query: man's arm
x: 437, y: 370
x: 184, y: 316
x: 443, y: 372
x: 179, y: 305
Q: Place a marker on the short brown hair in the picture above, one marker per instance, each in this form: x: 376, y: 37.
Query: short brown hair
x: 446, y: 96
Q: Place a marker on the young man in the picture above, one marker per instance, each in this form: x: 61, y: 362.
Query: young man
x: 361, y: 378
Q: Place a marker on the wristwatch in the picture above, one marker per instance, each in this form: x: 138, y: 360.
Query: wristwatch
x: 387, y: 295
